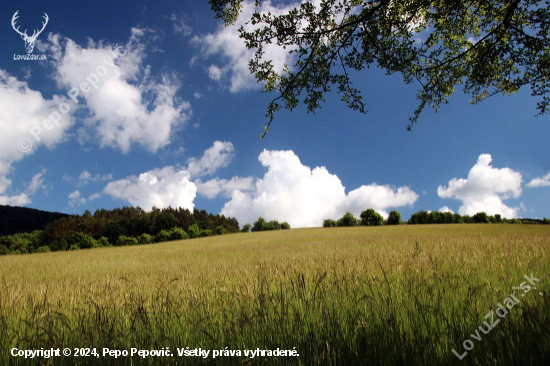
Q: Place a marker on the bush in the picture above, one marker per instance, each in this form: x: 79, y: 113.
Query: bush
x: 74, y: 247
x: 329, y: 223
x: 83, y: 240
x: 285, y: 226
x: 3, y: 249
x: 194, y: 231
x: 103, y: 242
x: 126, y: 240
x: 177, y: 233
x: 394, y: 218
x: 371, y: 218
x: 205, y: 233
x: 162, y: 236
x: 145, y: 239
x: 43, y: 249
x: 347, y: 220
x: 246, y: 228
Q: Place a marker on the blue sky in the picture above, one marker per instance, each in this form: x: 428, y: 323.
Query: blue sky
x: 175, y: 117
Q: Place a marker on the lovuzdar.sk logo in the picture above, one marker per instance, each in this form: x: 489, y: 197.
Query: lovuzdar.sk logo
x: 29, y: 40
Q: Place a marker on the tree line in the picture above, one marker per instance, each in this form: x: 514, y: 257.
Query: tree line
x: 372, y: 218
x: 118, y: 227
x: 262, y: 225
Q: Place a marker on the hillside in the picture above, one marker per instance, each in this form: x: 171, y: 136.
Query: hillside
x: 390, y: 295
x: 25, y: 220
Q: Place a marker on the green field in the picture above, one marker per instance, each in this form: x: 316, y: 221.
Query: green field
x: 340, y: 296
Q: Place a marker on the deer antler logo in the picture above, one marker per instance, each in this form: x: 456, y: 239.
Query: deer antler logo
x: 29, y: 41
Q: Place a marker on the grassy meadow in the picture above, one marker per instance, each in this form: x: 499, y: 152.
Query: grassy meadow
x: 394, y: 295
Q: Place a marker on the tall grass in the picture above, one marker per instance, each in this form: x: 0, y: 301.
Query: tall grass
x: 343, y: 296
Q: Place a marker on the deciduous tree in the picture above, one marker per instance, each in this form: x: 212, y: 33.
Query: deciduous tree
x: 484, y: 47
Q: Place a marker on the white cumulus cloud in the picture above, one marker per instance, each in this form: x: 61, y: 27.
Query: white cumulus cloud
x: 161, y: 188
x: 484, y: 189
x: 540, y: 182
x: 304, y: 197
x: 126, y: 104
x: 25, y: 110
x: 75, y: 199
x: 86, y: 177
x: 214, y: 72
x: 446, y: 209
x: 226, y: 42
x: 212, y: 188
x: 217, y: 156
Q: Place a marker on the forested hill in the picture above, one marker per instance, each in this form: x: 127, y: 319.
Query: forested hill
x: 25, y: 220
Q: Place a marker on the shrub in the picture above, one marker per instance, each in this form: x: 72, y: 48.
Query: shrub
x: 103, y: 242
x: 126, y: 240
x: 83, y: 240
x: 194, y: 231
x: 205, y: 233
x: 177, y: 233
x: 329, y: 223
x: 285, y: 226
x: 145, y: 239
x: 43, y: 249
x: 219, y: 230
x: 163, y: 235
x: 74, y: 247
x: 246, y: 228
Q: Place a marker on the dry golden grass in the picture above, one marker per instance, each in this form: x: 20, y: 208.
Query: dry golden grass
x: 373, y: 295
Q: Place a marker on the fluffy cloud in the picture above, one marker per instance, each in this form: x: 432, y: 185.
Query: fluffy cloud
x: 159, y: 187
x: 15, y: 200
x: 214, y: 72
x: 379, y: 198
x: 179, y: 26
x: 445, y: 209
x: 75, y: 199
x: 86, y: 177
x: 37, y: 182
x: 226, y: 42
x: 215, y: 157
x: 172, y: 186
x: 304, y: 197
x: 484, y: 189
x: 540, y: 182
x: 212, y: 188
x: 126, y: 104
x: 25, y: 110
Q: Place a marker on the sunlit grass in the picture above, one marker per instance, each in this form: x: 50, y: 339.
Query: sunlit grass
x: 364, y: 295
